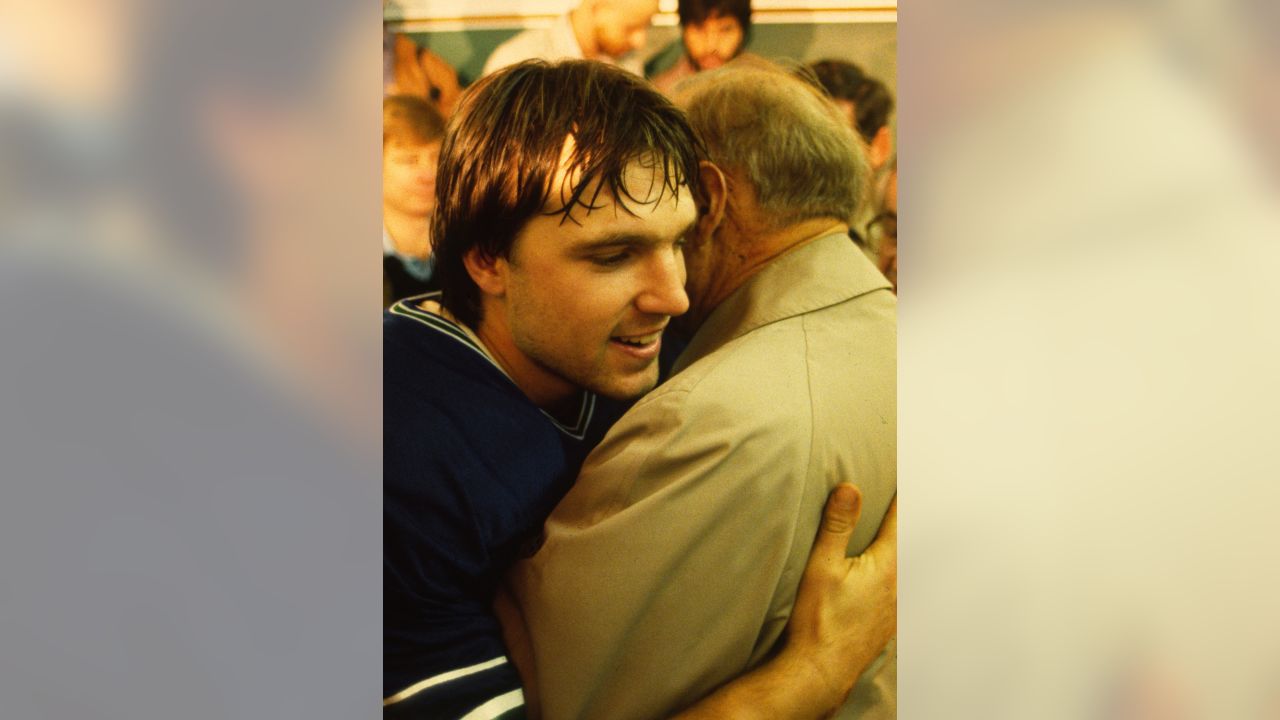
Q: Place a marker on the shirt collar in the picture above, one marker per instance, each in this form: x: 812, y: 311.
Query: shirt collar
x: 816, y: 274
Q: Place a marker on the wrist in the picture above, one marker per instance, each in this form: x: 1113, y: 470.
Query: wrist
x: 809, y: 686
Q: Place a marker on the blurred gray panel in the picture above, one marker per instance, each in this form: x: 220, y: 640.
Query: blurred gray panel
x: 189, y: 363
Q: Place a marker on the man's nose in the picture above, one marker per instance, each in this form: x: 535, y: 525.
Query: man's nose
x: 664, y: 293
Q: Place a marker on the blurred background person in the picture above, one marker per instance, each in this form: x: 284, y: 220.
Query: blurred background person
x: 613, y: 31
x: 882, y: 231
x: 412, y: 130
x: 712, y: 32
x: 865, y: 102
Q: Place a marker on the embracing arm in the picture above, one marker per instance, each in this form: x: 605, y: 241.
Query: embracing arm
x: 845, y: 614
x: 671, y: 566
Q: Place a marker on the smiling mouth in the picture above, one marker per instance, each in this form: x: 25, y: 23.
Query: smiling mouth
x: 641, y: 347
x: 637, y: 341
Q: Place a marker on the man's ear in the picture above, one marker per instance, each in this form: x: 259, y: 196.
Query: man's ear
x: 489, y: 274
x: 715, y: 198
x: 881, y: 147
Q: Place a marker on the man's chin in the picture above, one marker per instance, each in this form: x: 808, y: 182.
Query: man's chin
x: 708, y: 63
x: 618, y: 52
x: 628, y: 388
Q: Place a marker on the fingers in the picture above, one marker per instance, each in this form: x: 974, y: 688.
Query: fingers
x: 844, y: 506
x: 883, y: 552
x: 889, y: 525
x: 885, y: 545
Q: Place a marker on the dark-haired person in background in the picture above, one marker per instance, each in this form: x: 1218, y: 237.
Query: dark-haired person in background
x: 412, y: 130
x: 867, y: 105
x: 712, y: 32
x: 882, y: 231
x: 865, y: 102
x: 564, y: 199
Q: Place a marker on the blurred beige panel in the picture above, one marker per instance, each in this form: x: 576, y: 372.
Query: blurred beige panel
x: 44, y: 46
x: 1089, y: 394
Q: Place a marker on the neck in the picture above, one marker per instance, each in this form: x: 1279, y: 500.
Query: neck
x: 582, y: 20
x: 747, y: 251
x: 546, y: 390
x: 410, y: 234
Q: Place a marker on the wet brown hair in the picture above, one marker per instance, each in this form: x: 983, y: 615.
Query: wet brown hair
x: 503, y: 150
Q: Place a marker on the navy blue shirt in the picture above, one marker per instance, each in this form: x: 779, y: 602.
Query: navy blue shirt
x: 471, y: 469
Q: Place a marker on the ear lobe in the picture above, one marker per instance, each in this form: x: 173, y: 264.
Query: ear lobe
x: 489, y: 274
x: 715, y: 194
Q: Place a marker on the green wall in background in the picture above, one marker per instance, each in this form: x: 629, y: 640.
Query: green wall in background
x: 465, y: 50
x: 871, y: 45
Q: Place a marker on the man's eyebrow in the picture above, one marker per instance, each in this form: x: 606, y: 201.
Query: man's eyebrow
x: 613, y: 240
x: 625, y: 239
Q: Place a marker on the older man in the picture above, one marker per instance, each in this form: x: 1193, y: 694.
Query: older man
x: 672, y: 564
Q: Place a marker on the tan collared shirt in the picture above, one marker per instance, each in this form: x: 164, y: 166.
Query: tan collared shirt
x: 672, y: 565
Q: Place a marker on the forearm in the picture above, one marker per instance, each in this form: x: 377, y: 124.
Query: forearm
x: 785, y: 687
x: 845, y: 613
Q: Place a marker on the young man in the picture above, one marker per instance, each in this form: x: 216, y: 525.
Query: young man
x: 564, y: 200
x: 611, y: 31
x: 686, y: 533
x: 412, y: 130
x: 712, y: 32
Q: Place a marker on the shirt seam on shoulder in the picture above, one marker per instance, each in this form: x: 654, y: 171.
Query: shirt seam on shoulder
x: 799, y: 507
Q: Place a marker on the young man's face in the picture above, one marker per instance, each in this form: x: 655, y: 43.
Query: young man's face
x: 585, y: 302
x: 713, y: 42
x: 409, y: 176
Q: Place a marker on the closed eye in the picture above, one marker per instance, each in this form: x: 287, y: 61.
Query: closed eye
x: 613, y: 260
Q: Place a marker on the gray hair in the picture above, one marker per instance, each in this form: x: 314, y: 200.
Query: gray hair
x: 780, y: 134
